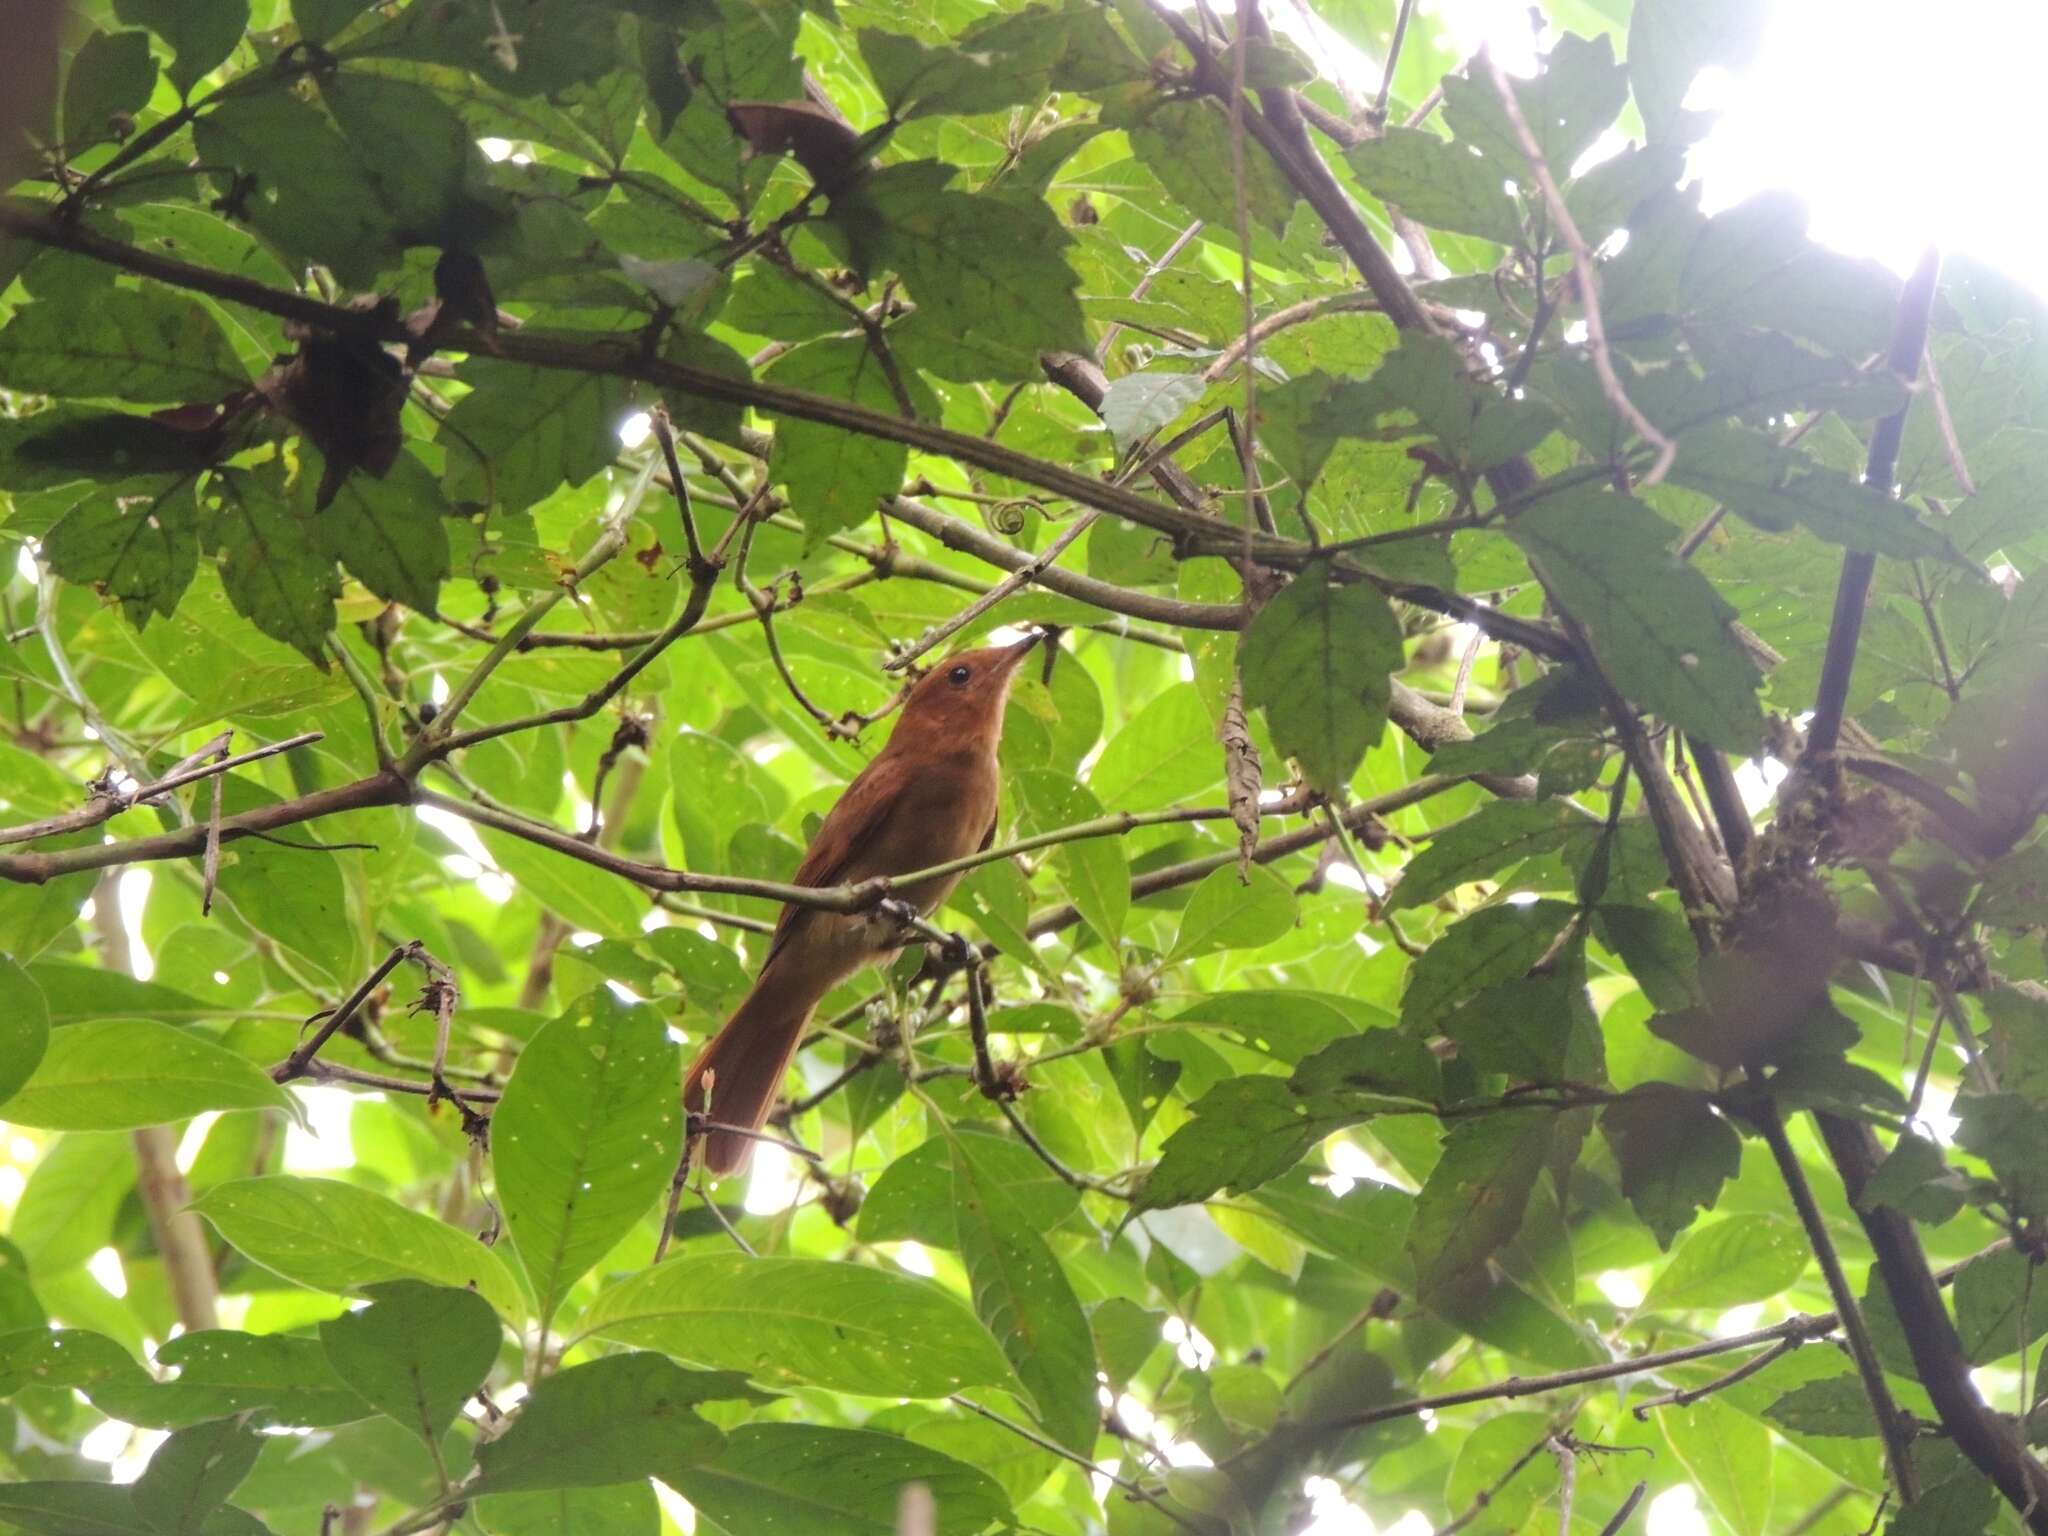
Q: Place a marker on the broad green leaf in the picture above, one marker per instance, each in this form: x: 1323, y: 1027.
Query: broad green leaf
x: 143, y: 551
x: 809, y: 1480
x: 836, y: 478
x: 387, y: 533
x: 1472, y: 1204
x: 1670, y: 41
x: 149, y: 345
x: 1142, y: 403
x: 110, y: 78
x: 1476, y: 1480
x: 1316, y: 660
x: 1834, y: 1405
x: 585, y: 897
x: 1187, y: 146
x: 1658, y: 626
x: 522, y: 432
x: 276, y: 1378
x: 1024, y: 1298
x: 192, y: 1474
x: 416, y: 1353
x: 793, y: 1322
x: 200, y: 35
x: 1494, y: 944
x: 913, y: 1199
x: 1729, y: 1263
x: 66, y: 1212
x: 1675, y: 1153
x: 2001, y: 1305
x: 1438, y: 183
x: 1164, y: 753
x: 622, y: 1509
x: 51, y: 1508
x: 24, y: 1029
x: 1093, y: 870
x: 271, y: 565
x: 1728, y: 1456
x: 982, y: 269
x: 1226, y: 912
x: 1489, y: 844
x: 1915, y: 1178
x: 333, y: 1236
x: 586, y: 1137
x: 117, y: 1074
x: 613, y: 1420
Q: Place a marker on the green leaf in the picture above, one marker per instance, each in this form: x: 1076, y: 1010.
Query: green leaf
x: 96, y: 1509
x: 1472, y: 1203
x: 1567, y: 105
x: 913, y: 1199
x: 24, y: 1029
x: 119, y: 1074
x: 1488, y: 844
x: 1479, y: 1478
x: 1834, y: 1405
x: 1438, y: 183
x: 1658, y: 948
x: 1778, y: 488
x: 612, y: 1420
x: 1165, y: 752
x: 416, y: 1353
x: 1139, y: 404
x: 143, y: 551
x: 2001, y: 1305
x: 1316, y: 660
x: 1093, y: 870
x: 111, y: 77
x: 271, y: 565
x: 387, y: 533
x: 835, y: 477
x: 1186, y: 145
x: 808, y: 1480
x: 275, y: 1378
x: 193, y: 1473
x: 148, y: 345
x: 622, y: 1509
x: 67, y: 1210
x: 1498, y: 943
x: 334, y: 1237
x: 1670, y: 41
x: 586, y: 1137
x: 1657, y: 625
x: 1024, y: 1298
x: 585, y: 897
x: 1729, y: 1263
x: 792, y: 1322
x: 521, y: 432
x: 1728, y: 1456
x: 2011, y: 1134
x: 1675, y: 1153
x: 201, y: 36
x: 314, y: 202
x: 1915, y: 1178
x: 1225, y: 912
x: 981, y: 269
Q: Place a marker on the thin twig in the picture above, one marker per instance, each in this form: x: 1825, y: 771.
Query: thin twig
x: 1588, y: 277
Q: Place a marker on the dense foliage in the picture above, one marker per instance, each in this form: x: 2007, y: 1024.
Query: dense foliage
x: 1509, y: 977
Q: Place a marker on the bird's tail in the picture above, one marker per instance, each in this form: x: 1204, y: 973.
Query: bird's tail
x: 740, y: 1071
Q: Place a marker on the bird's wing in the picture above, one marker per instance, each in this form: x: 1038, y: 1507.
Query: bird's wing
x: 851, y: 828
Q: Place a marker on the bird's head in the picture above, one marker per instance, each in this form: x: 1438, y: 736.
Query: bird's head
x: 962, y: 699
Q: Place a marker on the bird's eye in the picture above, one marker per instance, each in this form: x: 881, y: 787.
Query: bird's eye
x: 959, y: 675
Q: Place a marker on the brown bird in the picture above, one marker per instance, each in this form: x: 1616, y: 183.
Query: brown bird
x: 929, y: 796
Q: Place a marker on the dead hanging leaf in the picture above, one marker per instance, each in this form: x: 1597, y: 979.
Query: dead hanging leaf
x: 1242, y: 777
x: 824, y: 143
x: 345, y: 395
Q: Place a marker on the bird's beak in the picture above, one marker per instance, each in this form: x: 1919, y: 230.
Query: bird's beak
x: 1012, y: 654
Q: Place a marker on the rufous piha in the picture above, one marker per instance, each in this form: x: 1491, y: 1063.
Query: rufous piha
x: 928, y: 797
